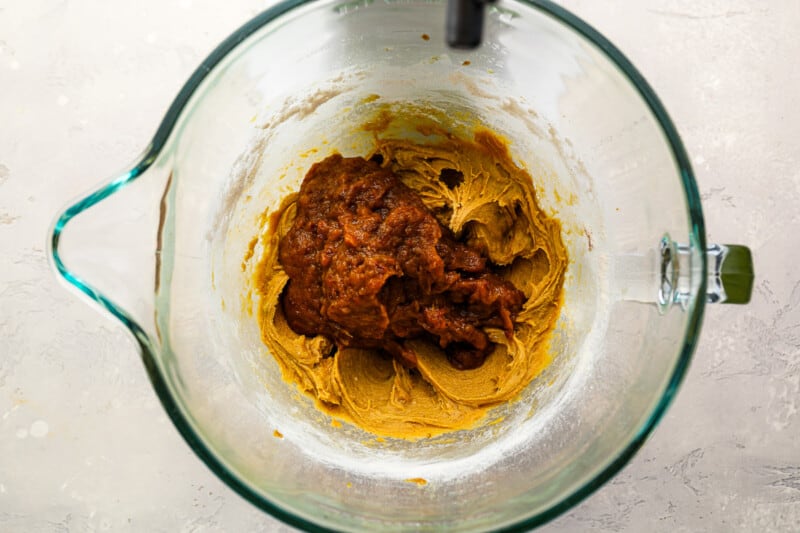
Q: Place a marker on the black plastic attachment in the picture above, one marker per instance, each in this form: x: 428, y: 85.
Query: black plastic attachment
x: 464, y: 25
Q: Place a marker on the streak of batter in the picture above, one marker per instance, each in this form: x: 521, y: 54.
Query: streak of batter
x: 436, y: 382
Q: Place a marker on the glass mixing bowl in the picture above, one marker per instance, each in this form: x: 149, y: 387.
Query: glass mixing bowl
x: 161, y: 247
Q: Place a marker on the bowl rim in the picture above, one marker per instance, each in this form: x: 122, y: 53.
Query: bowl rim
x: 149, y: 350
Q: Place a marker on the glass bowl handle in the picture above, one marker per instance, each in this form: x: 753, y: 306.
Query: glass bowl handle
x: 671, y: 273
x: 729, y: 276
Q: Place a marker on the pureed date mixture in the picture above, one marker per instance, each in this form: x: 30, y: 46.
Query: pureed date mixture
x: 369, y: 266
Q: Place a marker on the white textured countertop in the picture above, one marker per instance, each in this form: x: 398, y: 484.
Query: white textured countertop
x: 84, y: 443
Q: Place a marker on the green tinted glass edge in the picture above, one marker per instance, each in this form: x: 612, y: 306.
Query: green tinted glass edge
x: 148, y: 353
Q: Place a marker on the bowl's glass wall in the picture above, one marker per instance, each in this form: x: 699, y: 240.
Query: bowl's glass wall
x: 600, y: 161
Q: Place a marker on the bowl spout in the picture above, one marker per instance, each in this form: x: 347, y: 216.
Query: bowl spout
x: 106, y: 245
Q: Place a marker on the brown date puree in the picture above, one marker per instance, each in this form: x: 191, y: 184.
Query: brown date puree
x: 369, y: 266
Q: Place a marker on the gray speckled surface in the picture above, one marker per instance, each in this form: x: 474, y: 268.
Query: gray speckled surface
x: 84, y: 444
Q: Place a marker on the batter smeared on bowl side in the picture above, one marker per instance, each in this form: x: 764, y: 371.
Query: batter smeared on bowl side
x: 411, y: 291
